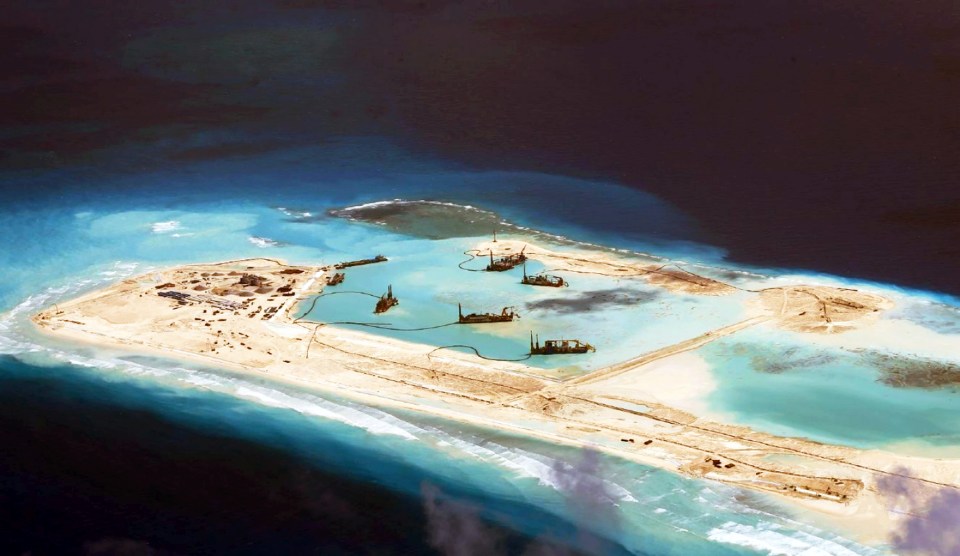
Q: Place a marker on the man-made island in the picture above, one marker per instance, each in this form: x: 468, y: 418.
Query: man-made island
x: 242, y: 315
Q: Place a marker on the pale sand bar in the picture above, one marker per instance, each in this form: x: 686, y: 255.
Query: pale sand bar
x: 606, y: 409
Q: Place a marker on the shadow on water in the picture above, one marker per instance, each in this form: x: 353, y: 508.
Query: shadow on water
x: 90, y: 466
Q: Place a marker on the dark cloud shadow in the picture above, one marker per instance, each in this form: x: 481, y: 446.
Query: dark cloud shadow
x: 931, y: 515
x: 584, y: 301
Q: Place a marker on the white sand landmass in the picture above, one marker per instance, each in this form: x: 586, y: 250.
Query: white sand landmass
x: 238, y: 314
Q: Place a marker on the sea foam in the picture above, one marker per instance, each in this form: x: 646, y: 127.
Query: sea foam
x: 770, y: 539
x: 165, y: 227
x: 263, y: 242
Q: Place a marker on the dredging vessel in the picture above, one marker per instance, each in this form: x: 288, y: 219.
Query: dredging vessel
x: 386, y: 301
x: 337, y: 278
x: 542, y: 279
x: 558, y: 347
x: 361, y: 262
x: 506, y: 262
x: 507, y: 315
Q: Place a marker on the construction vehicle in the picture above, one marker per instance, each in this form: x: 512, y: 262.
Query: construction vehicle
x: 377, y: 259
x: 386, y: 301
x: 557, y: 347
x: 337, y: 278
x: 506, y: 262
x: 542, y: 279
x: 507, y: 315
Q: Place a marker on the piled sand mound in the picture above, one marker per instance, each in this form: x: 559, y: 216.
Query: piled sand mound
x: 822, y: 309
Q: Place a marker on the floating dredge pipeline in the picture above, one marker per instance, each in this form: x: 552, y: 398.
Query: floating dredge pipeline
x: 524, y: 358
x: 470, y: 253
x: 314, y: 303
x: 386, y: 326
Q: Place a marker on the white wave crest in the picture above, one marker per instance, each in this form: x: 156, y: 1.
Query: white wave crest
x: 768, y: 538
x: 521, y: 462
x: 408, y: 202
x: 263, y: 242
x: 318, y: 407
x: 165, y: 227
x: 295, y: 213
x: 15, y: 322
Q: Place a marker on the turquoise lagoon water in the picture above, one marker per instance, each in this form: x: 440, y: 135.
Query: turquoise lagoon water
x: 68, y: 250
x: 775, y: 381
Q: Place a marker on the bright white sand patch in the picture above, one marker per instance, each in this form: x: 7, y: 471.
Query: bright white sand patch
x: 683, y: 381
x: 896, y: 335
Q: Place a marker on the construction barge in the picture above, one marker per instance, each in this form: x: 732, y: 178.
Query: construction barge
x: 386, y: 301
x: 506, y: 262
x: 337, y: 278
x: 558, y: 347
x: 361, y: 262
x: 545, y: 280
x: 507, y: 315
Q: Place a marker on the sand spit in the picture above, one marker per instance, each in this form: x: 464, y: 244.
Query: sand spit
x: 164, y: 313
x: 668, y: 275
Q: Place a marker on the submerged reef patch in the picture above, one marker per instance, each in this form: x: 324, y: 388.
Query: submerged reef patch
x: 903, y: 371
x: 425, y: 219
x: 595, y: 299
x: 790, y: 359
x: 779, y: 360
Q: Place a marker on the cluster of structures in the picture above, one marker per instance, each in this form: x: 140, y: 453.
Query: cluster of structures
x: 259, y: 295
x: 186, y: 298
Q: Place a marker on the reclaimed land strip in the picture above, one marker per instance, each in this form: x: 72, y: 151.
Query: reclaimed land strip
x: 667, y: 351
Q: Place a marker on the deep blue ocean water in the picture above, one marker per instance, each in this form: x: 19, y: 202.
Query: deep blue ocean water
x: 111, y: 450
